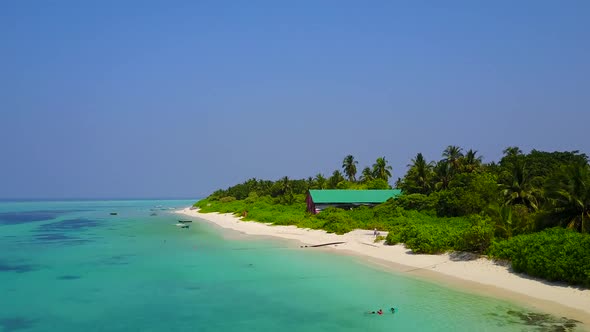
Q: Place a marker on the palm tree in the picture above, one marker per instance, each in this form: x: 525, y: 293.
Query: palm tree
x: 520, y: 189
x: 335, y: 179
x: 286, y: 190
x: 471, y: 163
x: 349, y: 167
x: 512, y: 156
x: 309, y: 182
x: 381, y: 170
x: 512, y: 152
x: 420, y: 173
x: 569, y: 194
x: 453, y: 155
x: 367, y: 174
x: 320, y: 181
x: 510, y: 220
x: 442, y: 175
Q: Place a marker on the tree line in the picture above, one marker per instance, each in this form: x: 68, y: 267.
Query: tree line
x: 285, y: 189
x: 532, y: 209
x: 522, y: 192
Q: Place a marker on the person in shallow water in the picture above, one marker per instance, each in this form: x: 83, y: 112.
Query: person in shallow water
x: 380, y: 312
x: 392, y: 310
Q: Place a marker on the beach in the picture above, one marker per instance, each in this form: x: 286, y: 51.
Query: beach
x: 464, y: 271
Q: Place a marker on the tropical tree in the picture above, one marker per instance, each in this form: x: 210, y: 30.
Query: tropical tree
x: 569, y: 195
x: 519, y: 189
x: 442, y: 175
x: 336, y: 178
x: 453, y: 154
x: 510, y: 220
x: 544, y: 164
x: 418, y: 177
x: 470, y: 162
x: 367, y: 174
x: 310, y: 183
x: 320, y: 181
x: 349, y: 167
x: 381, y: 170
x: 286, y: 190
x: 511, y: 153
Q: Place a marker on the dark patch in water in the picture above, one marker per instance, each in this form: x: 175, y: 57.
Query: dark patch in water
x: 58, y: 238
x: 18, y: 268
x: 122, y: 259
x: 69, y: 225
x: 55, y: 239
x: 48, y: 237
x: 16, y: 323
x: 544, y: 322
x: 68, y: 277
x: 56, y: 232
x: 14, y: 218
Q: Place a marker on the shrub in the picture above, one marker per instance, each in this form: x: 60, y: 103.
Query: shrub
x: 555, y: 254
x: 393, y: 237
x: 379, y: 238
x: 418, y: 202
x: 428, y: 239
x: 336, y: 221
x: 479, y: 236
x: 377, y: 184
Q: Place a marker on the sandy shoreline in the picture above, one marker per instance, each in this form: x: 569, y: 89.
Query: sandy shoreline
x: 478, y: 274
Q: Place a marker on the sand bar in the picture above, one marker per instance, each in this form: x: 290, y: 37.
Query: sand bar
x: 472, y: 273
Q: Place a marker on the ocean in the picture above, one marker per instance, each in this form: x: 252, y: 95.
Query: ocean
x: 73, y: 266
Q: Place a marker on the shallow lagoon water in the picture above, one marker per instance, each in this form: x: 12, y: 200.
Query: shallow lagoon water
x: 71, y: 266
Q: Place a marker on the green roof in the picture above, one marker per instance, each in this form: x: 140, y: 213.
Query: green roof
x: 353, y: 196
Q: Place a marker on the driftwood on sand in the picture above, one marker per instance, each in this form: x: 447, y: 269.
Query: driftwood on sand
x: 322, y: 245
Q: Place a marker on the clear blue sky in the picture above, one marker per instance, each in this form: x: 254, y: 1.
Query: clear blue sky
x: 178, y: 98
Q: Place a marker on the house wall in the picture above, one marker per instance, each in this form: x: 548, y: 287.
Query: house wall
x: 310, y: 204
x: 317, y: 208
x: 344, y: 206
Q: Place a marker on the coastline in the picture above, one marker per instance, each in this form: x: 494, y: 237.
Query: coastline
x: 462, y: 271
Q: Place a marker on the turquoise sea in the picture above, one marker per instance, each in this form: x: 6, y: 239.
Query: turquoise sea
x: 72, y: 266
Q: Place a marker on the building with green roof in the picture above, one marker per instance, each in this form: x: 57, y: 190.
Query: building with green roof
x: 318, y: 200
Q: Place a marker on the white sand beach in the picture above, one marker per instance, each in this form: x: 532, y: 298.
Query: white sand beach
x: 475, y: 274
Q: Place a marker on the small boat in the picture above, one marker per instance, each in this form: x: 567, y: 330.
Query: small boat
x: 184, y: 221
x: 113, y: 213
x: 182, y: 225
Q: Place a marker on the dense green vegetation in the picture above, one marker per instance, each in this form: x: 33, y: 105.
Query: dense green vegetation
x: 532, y: 209
x: 553, y: 254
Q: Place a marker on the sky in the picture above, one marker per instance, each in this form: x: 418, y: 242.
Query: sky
x: 166, y: 99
